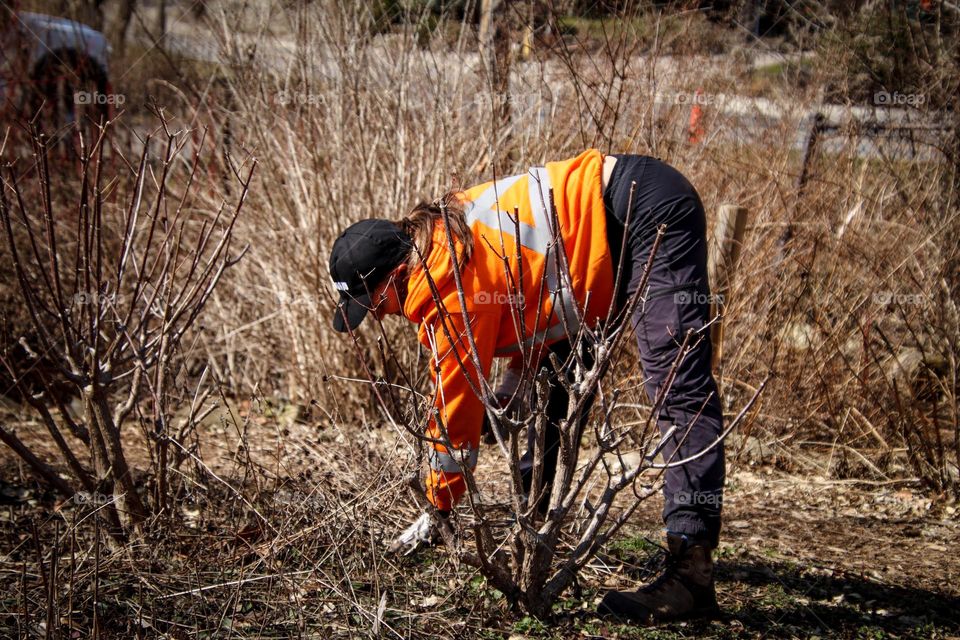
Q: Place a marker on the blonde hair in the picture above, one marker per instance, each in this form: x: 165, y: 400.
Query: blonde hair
x: 420, y: 222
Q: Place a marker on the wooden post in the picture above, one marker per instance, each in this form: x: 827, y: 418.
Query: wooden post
x: 809, y: 152
x: 722, y: 264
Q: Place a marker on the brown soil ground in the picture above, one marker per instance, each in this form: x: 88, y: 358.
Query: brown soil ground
x: 800, y: 556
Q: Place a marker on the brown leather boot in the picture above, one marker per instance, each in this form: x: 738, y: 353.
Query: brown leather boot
x: 684, y: 589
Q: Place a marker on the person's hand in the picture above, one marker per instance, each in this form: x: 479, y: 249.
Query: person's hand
x: 424, y: 532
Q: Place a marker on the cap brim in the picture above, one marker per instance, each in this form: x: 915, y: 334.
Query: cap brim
x: 350, y: 312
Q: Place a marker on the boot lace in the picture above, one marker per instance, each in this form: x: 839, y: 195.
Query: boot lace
x: 653, y: 565
x: 669, y: 568
x: 666, y: 567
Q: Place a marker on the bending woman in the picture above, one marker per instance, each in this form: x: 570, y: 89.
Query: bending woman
x: 608, y: 209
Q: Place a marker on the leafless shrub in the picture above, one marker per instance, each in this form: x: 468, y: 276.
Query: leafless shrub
x: 533, y: 555
x: 112, y: 290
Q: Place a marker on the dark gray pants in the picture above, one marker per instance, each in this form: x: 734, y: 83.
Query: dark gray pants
x: 676, y: 300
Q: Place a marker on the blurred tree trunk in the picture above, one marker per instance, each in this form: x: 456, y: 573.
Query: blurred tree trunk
x: 161, y: 27
x: 118, y: 25
x: 537, y: 20
x: 495, y: 51
x: 748, y: 16
x: 87, y: 12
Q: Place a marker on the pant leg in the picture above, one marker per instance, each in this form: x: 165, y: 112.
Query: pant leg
x: 677, y: 299
x: 693, y: 493
x: 558, y: 403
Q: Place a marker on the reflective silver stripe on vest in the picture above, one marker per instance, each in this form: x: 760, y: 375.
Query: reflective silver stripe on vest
x: 542, y: 213
x: 537, y: 237
x: 452, y: 461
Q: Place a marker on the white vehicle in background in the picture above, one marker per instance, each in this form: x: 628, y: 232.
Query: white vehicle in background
x: 52, y: 67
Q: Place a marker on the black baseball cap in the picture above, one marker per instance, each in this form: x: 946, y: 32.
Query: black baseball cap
x: 361, y: 258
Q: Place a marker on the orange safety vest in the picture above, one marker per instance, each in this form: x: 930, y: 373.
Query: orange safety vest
x: 514, y: 306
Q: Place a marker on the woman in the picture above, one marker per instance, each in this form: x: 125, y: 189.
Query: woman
x: 608, y: 209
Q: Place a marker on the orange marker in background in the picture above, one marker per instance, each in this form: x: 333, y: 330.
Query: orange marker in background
x: 695, y: 129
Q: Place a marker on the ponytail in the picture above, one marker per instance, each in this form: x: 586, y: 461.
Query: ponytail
x: 419, y: 225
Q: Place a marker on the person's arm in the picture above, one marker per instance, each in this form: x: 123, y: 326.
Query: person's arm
x: 459, y: 409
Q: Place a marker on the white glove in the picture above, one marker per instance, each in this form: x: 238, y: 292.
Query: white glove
x: 424, y: 532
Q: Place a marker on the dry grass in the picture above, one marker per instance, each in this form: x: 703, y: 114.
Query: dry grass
x: 370, y: 126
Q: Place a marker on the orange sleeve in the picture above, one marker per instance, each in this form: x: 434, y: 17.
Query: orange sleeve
x: 459, y: 409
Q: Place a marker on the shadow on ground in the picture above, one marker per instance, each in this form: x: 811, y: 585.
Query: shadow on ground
x: 783, y: 599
